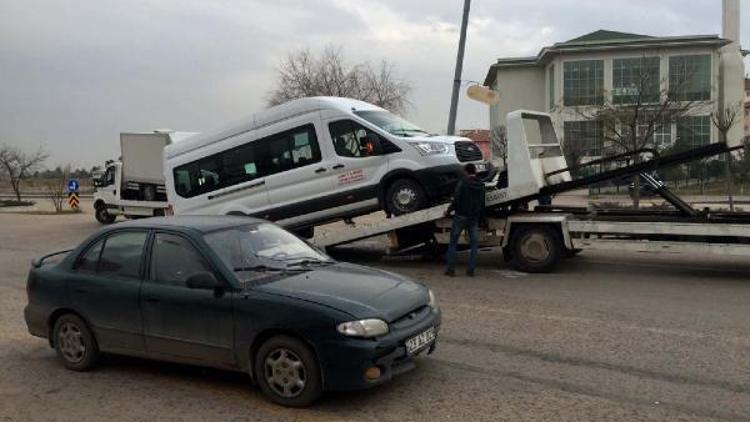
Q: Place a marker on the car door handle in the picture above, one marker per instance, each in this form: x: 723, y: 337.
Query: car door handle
x: 338, y: 166
x: 80, y: 290
x: 320, y: 170
x: 152, y: 300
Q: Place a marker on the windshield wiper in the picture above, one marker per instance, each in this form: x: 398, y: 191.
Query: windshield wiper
x: 310, y: 261
x: 259, y: 268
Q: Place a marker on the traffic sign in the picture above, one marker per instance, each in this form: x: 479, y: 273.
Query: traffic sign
x: 73, y: 200
x: 73, y: 185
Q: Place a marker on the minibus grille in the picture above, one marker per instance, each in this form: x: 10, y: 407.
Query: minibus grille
x: 468, y: 151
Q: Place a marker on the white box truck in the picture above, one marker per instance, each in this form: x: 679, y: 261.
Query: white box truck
x: 133, y: 186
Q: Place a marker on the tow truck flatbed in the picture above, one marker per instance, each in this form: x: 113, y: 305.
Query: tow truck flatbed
x: 535, y: 241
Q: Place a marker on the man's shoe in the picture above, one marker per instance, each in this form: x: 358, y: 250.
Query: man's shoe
x: 470, y: 273
x: 450, y: 273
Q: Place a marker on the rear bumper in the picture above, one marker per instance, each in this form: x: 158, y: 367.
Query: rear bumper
x: 36, y: 323
x: 344, y: 362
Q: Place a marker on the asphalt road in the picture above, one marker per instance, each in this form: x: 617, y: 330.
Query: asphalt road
x: 609, y: 337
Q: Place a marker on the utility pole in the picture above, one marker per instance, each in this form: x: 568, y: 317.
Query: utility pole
x: 459, y: 66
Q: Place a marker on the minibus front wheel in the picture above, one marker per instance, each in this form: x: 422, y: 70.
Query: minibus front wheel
x: 404, y: 196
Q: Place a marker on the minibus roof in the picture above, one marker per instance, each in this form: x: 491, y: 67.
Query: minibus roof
x: 267, y: 117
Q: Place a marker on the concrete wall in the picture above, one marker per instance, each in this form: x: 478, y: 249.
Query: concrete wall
x: 519, y: 88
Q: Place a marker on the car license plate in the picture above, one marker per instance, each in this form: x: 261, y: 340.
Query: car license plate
x: 420, y: 341
x: 481, y: 167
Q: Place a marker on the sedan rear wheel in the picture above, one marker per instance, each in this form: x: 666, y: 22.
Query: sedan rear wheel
x: 288, y: 372
x: 74, y: 343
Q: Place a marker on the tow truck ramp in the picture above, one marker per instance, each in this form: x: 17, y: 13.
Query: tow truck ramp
x: 363, y: 231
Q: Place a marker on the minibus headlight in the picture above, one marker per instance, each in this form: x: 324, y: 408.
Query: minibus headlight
x: 431, y: 148
x: 364, y: 328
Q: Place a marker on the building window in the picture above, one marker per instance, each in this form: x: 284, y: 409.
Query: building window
x: 690, y: 78
x: 693, y: 131
x: 583, y: 83
x: 635, y: 80
x: 551, y: 78
x: 661, y: 134
x: 589, y: 135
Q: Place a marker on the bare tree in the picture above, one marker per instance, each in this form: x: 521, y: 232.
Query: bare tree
x: 18, y: 165
x: 55, y: 189
x: 499, y: 138
x: 724, y: 120
x: 637, y: 111
x: 573, y: 152
x: 741, y: 167
x: 302, y: 74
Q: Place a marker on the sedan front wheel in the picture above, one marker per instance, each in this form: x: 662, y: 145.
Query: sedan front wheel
x: 288, y: 372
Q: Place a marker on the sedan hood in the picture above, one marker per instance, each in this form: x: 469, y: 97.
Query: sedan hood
x: 360, y: 291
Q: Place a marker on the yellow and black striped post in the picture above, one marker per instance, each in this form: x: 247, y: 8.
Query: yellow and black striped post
x: 73, y: 200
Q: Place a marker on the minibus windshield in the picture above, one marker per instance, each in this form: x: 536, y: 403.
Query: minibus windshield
x: 391, y: 123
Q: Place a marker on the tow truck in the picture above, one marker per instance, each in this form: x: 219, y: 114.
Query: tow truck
x: 536, y: 240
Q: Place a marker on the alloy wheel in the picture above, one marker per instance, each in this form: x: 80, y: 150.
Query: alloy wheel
x: 285, y: 373
x: 71, y: 342
x: 404, y: 199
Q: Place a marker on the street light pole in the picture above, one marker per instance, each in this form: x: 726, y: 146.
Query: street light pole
x: 459, y: 66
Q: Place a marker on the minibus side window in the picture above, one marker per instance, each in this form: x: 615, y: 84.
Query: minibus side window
x: 294, y: 148
x: 305, y: 148
x: 348, y: 137
x: 238, y: 165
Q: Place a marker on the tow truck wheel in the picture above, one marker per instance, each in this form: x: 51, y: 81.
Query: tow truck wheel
x: 103, y: 216
x: 535, y: 249
x: 404, y: 196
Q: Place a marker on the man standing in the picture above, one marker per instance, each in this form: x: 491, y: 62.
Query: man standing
x: 468, y: 204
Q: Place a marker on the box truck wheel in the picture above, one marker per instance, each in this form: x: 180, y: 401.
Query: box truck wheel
x: 103, y: 216
x: 535, y: 248
x: 404, y: 196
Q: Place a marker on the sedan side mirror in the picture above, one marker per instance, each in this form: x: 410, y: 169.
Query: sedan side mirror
x: 202, y: 280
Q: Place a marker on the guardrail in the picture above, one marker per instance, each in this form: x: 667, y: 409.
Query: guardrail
x: 26, y: 196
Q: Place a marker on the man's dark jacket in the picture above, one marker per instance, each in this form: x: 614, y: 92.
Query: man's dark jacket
x: 468, y: 200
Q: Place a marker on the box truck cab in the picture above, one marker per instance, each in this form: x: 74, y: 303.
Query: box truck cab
x: 315, y: 160
x: 133, y: 186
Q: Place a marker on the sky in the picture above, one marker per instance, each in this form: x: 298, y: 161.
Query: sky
x: 74, y: 74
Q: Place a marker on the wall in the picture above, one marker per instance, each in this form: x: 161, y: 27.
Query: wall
x: 519, y: 88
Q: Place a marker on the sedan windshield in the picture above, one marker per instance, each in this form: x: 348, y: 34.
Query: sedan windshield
x: 263, y: 247
x: 391, y: 123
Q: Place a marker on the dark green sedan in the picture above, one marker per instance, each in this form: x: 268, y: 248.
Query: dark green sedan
x: 233, y: 293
